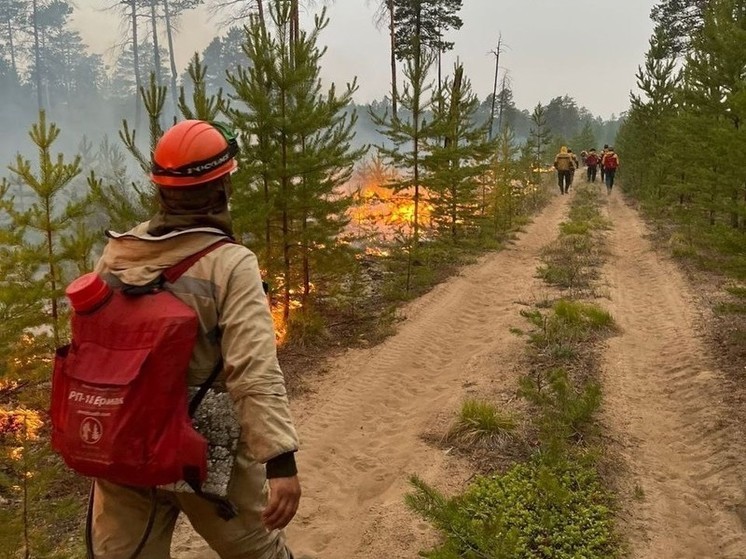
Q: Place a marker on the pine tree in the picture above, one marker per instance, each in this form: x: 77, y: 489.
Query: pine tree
x: 455, y: 165
x: 505, y: 174
x: 41, y: 248
x: 408, y: 136
x: 714, y: 93
x: 585, y: 139
x: 540, y: 137
x: 420, y: 24
x: 680, y: 134
x: 648, y: 156
x: 298, y: 152
x: 49, y: 219
x: 676, y: 22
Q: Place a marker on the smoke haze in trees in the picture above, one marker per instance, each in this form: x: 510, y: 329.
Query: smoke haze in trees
x: 85, y: 60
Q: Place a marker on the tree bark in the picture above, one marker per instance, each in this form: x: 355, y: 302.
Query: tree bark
x: 392, y: 35
x: 260, y: 11
x: 171, y: 55
x: 156, y: 49
x: 12, y: 50
x: 136, y: 61
x: 37, y: 58
x: 494, y: 87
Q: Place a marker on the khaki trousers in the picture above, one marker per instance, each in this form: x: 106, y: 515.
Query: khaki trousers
x: 120, y: 514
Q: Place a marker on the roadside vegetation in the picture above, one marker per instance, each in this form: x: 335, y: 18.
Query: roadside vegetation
x: 551, y: 501
x: 679, y: 141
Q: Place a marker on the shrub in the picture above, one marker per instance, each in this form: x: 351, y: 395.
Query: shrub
x: 569, y: 322
x: 533, y: 511
x: 737, y: 290
x: 575, y: 228
x: 586, y: 317
x: 480, y: 421
x: 565, y: 413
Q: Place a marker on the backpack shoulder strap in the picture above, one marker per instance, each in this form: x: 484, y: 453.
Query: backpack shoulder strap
x: 177, y: 270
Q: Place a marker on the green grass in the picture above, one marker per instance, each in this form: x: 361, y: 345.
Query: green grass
x: 535, y: 510
x: 568, y: 323
x: 583, y: 316
x: 565, y: 412
x: 575, y: 228
x: 570, y: 261
x: 737, y: 290
x: 729, y: 307
x: 481, y: 422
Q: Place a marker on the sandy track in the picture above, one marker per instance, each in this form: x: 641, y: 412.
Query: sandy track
x: 361, y: 427
x: 683, y: 490
x: 361, y: 436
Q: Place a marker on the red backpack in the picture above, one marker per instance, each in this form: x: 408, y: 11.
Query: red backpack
x: 120, y: 409
x: 611, y: 162
x: 591, y: 160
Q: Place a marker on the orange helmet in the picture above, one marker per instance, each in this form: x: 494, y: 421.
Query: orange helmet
x: 193, y: 152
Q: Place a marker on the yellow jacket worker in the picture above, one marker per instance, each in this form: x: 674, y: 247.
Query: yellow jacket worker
x: 565, y: 166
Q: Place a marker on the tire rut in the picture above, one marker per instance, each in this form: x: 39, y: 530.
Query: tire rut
x: 664, y: 399
x: 362, y: 438
x: 362, y: 422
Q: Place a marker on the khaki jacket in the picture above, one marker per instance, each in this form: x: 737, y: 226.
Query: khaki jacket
x: 564, y: 162
x: 225, y: 289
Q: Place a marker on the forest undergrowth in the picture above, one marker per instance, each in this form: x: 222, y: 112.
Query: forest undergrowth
x: 541, y: 492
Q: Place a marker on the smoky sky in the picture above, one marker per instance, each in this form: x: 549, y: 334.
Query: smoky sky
x: 588, y: 49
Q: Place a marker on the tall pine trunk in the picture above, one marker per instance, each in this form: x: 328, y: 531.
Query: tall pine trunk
x: 52, y: 272
x: 294, y: 24
x: 136, y: 61
x: 11, y: 46
x: 37, y: 58
x: 284, y: 196
x: 171, y: 55
x: 416, y: 118
x: 305, y: 244
x: 156, y: 47
x: 260, y: 11
x: 501, y: 109
x: 494, y: 88
x: 392, y: 38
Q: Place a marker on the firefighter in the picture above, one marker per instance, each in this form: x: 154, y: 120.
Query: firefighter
x: 600, y: 166
x: 192, y: 166
x: 592, y: 161
x: 610, y: 164
x: 565, y: 166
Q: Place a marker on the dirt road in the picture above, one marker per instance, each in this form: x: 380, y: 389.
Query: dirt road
x: 361, y: 429
x: 665, y: 402
x: 361, y: 425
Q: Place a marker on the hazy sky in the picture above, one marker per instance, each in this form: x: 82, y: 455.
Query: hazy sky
x: 588, y: 49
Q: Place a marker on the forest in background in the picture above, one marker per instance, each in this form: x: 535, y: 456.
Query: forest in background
x: 45, y: 64
x: 684, y: 134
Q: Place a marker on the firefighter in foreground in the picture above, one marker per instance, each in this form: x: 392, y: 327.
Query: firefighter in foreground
x: 192, y: 164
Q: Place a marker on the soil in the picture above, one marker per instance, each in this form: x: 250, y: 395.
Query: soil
x: 669, y: 409
x: 676, y: 443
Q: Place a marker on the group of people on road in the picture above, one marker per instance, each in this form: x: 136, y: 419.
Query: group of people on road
x: 606, y: 163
